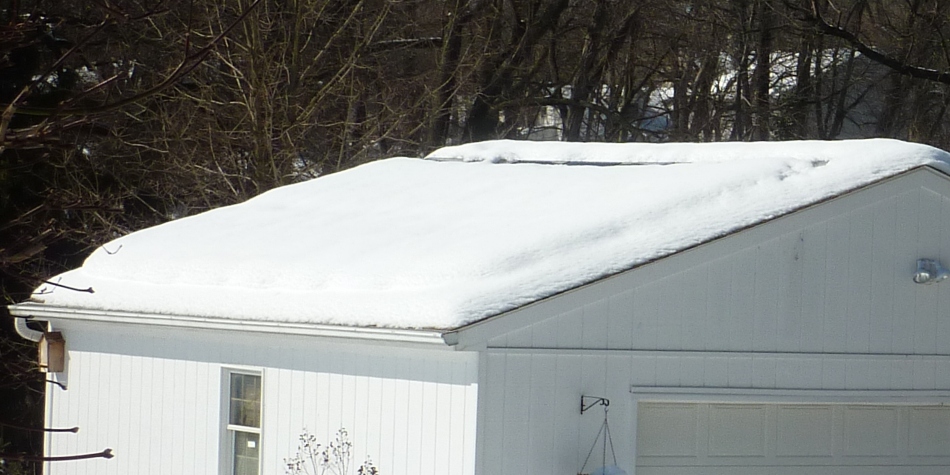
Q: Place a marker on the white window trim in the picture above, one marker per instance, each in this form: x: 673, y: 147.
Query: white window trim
x: 226, y: 456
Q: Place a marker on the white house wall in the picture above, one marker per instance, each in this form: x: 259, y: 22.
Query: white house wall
x: 819, y: 302
x: 532, y: 422
x: 153, y: 395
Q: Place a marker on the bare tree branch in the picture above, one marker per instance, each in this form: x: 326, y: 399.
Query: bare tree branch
x: 815, y: 17
x: 106, y: 454
x: 186, y: 66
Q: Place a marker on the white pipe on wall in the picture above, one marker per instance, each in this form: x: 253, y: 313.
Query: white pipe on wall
x: 25, y: 331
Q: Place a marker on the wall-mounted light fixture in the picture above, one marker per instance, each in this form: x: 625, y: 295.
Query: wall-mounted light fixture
x: 930, y: 271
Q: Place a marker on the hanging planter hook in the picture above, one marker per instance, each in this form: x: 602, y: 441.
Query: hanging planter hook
x: 588, y: 402
x: 595, y: 401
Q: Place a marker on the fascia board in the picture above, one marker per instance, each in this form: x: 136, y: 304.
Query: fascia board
x: 44, y: 312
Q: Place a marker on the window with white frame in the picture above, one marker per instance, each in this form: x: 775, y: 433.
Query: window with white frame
x: 244, y: 423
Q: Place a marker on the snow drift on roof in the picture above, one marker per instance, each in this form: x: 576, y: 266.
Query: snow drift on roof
x: 443, y: 242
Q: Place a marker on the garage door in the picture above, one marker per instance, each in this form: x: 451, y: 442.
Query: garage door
x: 792, y: 439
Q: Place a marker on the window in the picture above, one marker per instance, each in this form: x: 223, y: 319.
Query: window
x: 244, y: 423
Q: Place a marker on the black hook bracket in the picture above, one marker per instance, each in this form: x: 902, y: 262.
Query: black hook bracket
x: 594, y: 402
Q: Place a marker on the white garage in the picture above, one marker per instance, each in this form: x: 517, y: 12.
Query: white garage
x: 711, y: 438
x: 745, y: 309
x: 801, y: 345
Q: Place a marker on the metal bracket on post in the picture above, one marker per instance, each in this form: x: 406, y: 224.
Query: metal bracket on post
x: 595, y: 401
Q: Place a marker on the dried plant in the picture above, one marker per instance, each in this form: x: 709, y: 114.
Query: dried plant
x: 314, y: 458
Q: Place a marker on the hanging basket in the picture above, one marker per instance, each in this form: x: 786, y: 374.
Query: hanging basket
x: 604, y: 432
x: 608, y: 470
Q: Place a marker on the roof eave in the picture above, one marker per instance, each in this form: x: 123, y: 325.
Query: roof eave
x: 397, y: 335
x: 475, y: 335
x: 469, y: 336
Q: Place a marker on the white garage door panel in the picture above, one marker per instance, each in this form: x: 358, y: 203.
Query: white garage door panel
x: 870, y: 431
x: 792, y: 439
x: 930, y: 431
x: 792, y: 470
x: 803, y: 431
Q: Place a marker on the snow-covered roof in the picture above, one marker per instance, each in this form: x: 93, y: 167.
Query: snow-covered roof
x: 470, y: 232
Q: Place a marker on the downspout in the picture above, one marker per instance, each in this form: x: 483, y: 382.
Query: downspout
x: 25, y: 331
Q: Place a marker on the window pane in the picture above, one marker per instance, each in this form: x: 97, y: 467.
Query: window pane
x: 246, y: 453
x: 245, y: 407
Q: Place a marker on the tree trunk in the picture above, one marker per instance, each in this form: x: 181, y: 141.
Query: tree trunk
x: 448, y: 74
x: 761, y: 75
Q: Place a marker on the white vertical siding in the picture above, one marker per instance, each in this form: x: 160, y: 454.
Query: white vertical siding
x: 148, y: 410
x: 532, y: 422
x: 154, y: 396
x: 407, y: 410
x: 821, y: 300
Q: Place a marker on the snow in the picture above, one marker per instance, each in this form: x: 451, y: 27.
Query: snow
x: 470, y: 232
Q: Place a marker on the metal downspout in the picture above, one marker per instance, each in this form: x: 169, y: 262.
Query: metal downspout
x: 25, y: 331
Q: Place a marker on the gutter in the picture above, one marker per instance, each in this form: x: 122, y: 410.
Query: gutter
x: 25, y: 331
x: 41, y: 311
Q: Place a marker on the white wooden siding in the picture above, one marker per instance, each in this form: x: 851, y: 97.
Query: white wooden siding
x: 153, y: 412
x: 532, y: 422
x: 820, y: 300
x: 154, y: 396
x: 411, y: 412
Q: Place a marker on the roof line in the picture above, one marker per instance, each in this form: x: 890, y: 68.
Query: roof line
x: 452, y: 337
x: 570, y: 163
x: 42, y: 311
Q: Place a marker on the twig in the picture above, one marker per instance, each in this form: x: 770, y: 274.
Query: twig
x: 87, y: 290
x: 41, y: 429
x: 106, y: 454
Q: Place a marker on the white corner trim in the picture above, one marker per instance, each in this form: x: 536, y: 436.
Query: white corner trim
x: 789, y: 395
x: 40, y: 311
